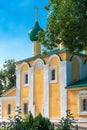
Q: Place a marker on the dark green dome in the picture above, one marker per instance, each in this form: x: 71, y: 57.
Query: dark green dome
x: 34, y: 31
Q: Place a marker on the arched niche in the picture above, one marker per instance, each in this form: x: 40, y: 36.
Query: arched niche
x: 76, y: 68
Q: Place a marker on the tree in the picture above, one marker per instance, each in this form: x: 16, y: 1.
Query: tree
x: 66, y: 24
x: 7, y: 76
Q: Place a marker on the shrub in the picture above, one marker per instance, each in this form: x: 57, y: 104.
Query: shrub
x: 67, y: 122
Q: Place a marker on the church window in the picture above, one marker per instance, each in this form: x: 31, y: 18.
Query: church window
x: 84, y: 104
x: 53, y: 74
x: 25, y: 109
x: 9, y: 109
x: 25, y: 78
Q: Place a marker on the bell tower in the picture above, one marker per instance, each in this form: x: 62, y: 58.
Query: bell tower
x: 33, y: 32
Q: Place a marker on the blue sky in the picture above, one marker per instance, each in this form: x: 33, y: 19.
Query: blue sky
x: 16, y: 18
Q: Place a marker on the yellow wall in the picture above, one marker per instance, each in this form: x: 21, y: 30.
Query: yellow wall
x: 12, y: 93
x: 4, y: 108
x: 24, y: 90
x: 72, y: 100
x: 38, y: 89
x: 54, y: 88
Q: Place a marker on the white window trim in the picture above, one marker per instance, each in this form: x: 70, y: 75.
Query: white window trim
x: 56, y: 77
x: 23, y: 78
x: 82, y: 94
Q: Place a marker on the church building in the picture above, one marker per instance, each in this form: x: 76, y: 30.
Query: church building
x: 48, y: 84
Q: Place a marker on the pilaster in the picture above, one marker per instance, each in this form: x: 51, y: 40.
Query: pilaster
x: 63, y: 83
x: 18, y: 88
x: 46, y: 90
x: 31, y: 84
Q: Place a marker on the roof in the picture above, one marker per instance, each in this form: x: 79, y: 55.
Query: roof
x: 41, y: 55
x: 34, y: 31
x: 55, y: 51
x: 8, y: 91
x: 79, y: 84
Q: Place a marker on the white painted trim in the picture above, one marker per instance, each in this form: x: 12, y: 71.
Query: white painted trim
x: 55, y: 120
x: 31, y: 85
x: 56, y: 74
x: 63, y: 91
x: 24, y: 63
x: 52, y: 56
x: 39, y: 65
x: 37, y: 60
x: 18, y: 88
x: 25, y: 99
x: 46, y: 90
x: 8, y: 98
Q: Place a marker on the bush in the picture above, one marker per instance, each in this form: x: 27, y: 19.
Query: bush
x: 67, y: 122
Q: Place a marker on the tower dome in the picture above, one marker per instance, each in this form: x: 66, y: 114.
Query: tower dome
x: 34, y: 31
x: 33, y: 35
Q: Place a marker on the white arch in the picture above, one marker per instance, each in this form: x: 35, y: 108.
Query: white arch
x: 78, y: 58
x: 24, y: 63
x: 53, y: 56
x: 37, y: 60
x: 81, y: 65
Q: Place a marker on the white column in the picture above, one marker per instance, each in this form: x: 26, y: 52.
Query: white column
x: 46, y: 90
x: 0, y: 108
x: 31, y: 84
x: 63, y: 83
x: 18, y: 88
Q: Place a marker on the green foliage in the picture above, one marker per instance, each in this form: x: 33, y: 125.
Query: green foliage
x: 37, y: 123
x: 7, y: 76
x: 42, y: 123
x: 67, y: 24
x: 27, y: 123
x: 67, y: 122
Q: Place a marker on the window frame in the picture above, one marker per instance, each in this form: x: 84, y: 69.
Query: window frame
x: 24, y: 78
x: 56, y: 74
x: 81, y: 96
x: 8, y: 109
x: 25, y: 109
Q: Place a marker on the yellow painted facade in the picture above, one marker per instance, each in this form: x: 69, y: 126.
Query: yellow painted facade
x: 37, y: 70
x: 72, y: 101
